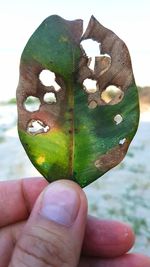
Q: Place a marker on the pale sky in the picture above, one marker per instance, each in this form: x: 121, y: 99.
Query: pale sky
x: 129, y: 19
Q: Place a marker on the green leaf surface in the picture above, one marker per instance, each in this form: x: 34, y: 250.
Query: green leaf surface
x: 81, y: 143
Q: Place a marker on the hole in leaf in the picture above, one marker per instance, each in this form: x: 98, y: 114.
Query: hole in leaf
x: 47, y: 78
x: 92, y: 104
x: 49, y: 98
x: 92, y: 49
x: 37, y: 127
x: 122, y: 141
x: 112, y: 95
x: 118, y: 119
x: 90, y: 85
x: 32, y: 103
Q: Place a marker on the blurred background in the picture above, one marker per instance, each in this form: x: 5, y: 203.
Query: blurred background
x: 124, y: 192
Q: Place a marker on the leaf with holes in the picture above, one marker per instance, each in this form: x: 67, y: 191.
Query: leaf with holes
x: 78, y: 123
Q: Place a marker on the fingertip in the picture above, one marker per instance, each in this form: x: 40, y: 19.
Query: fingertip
x: 57, y: 221
x: 107, y: 238
x: 138, y: 260
x: 131, y: 260
x: 31, y: 188
x: 72, y: 185
x: 127, y: 260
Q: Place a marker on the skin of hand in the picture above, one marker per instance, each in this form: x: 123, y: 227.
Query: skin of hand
x: 45, y: 225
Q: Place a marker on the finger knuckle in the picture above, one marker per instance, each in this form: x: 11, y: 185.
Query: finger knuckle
x: 45, y: 248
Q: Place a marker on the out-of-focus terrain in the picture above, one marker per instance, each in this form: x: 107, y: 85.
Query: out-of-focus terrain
x: 123, y: 193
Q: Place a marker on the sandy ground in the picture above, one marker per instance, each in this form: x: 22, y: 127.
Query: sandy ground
x: 123, y: 193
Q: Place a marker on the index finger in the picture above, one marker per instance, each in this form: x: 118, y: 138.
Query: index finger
x: 17, y: 198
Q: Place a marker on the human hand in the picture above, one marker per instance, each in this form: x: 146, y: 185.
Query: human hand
x: 47, y: 225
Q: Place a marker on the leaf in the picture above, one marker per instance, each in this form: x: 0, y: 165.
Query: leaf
x: 79, y: 136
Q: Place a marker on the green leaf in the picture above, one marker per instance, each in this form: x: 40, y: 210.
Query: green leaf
x: 76, y: 139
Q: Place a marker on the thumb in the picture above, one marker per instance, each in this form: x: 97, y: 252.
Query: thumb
x: 54, y: 232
